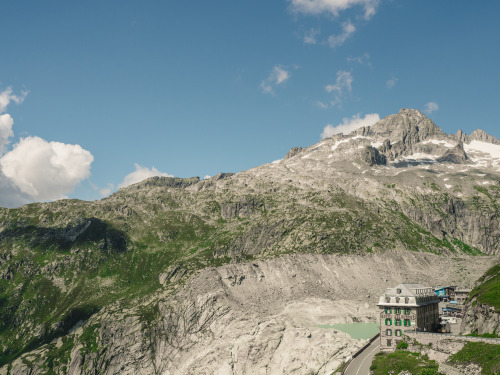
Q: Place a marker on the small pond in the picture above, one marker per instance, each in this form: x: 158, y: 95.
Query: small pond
x: 355, y: 330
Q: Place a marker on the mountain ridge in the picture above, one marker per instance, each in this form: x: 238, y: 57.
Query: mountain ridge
x: 128, y: 278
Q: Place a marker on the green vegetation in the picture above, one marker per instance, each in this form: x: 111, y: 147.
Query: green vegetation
x: 402, y: 345
x: 400, y: 360
x: 487, y: 356
x: 488, y: 290
x: 62, y: 262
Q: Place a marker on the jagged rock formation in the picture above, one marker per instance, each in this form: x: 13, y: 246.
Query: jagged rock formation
x: 234, y: 273
x: 455, y: 155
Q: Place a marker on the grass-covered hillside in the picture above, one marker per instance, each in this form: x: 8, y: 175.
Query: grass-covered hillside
x: 61, y: 262
x: 487, y: 291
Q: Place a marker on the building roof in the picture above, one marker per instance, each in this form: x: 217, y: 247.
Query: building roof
x: 409, y: 290
x: 408, y: 295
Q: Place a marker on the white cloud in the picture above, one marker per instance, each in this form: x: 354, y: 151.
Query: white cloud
x: 431, y: 107
x: 46, y: 170
x: 333, y: 7
x: 337, y: 40
x: 6, y: 132
x: 342, y: 85
x: 140, y: 174
x: 364, y: 59
x: 206, y: 177
x: 278, y: 76
x: 107, y: 190
x: 34, y: 169
x: 310, y: 37
x: 343, y: 82
x: 391, y: 82
x: 350, y: 124
x: 6, y: 97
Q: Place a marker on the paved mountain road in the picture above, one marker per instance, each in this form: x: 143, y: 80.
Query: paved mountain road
x: 361, y: 364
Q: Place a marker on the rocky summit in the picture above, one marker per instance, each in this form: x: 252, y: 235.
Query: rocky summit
x: 240, y: 273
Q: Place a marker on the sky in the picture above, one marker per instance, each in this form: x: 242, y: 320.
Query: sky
x: 96, y: 95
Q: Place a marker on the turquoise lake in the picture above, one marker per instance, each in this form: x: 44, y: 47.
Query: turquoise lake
x: 355, y: 330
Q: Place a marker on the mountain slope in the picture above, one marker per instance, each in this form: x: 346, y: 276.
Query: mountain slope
x: 75, y: 274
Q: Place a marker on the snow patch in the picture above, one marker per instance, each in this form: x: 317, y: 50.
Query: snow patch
x: 448, y: 186
x: 439, y: 142
x: 484, y: 147
x: 338, y: 143
x: 376, y: 144
x: 276, y: 161
x: 420, y: 155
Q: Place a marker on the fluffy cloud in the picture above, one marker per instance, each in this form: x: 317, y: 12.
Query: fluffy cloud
x: 337, y: 40
x: 46, y: 170
x: 350, y: 124
x: 107, y: 190
x: 6, y: 96
x: 334, y: 7
x: 34, y: 169
x: 431, y: 107
x: 277, y: 77
x: 6, y: 132
x: 140, y: 174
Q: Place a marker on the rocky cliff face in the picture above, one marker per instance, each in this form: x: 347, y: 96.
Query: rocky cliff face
x: 236, y: 272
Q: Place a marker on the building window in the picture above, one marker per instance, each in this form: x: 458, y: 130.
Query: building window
x: 389, y: 342
x: 397, y: 299
x: 387, y: 310
x: 398, y: 311
x: 388, y: 299
x: 397, y: 322
x: 397, y: 332
x: 388, y: 332
x: 407, y: 311
x: 407, y: 300
x: 407, y: 322
x: 388, y: 322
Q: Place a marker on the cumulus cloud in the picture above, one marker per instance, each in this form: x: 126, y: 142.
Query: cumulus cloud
x: 350, y: 124
x: 334, y: 7
x: 46, y: 170
x: 6, y: 96
x: 277, y: 77
x: 35, y: 169
x: 337, y: 40
x: 431, y: 107
x: 107, y: 190
x: 391, y: 82
x: 6, y: 132
x: 140, y: 174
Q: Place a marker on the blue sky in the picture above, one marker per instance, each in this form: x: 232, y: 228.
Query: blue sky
x: 196, y: 88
